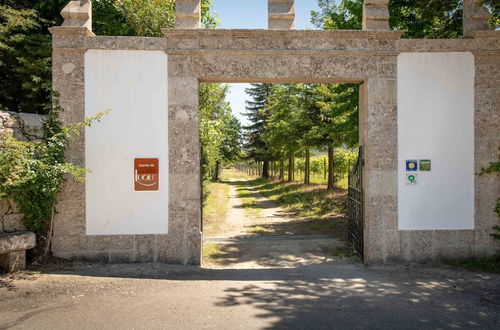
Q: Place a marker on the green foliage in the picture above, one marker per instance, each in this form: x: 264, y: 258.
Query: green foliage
x: 257, y: 113
x: 282, y: 132
x: 109, y: 20
x: 338, y: 115
x: 147, y: 17
x: 142, y: 17
x: 299, y: 117
x: 300, y: 200
x: 338, y: 15
x: 219, y: 130
x: 491, y: 264
x: 26, y: 49
x: 435, y: 19
x: 31, y: 172
x: 494, y: 8
x: 25, y: 53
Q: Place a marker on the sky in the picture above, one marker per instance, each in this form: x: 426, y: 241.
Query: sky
x: 252, y: 14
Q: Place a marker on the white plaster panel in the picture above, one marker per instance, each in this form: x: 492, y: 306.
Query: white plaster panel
x: 436, y: 122
x: 133, y: 86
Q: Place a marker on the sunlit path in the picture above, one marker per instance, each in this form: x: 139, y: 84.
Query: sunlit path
x: 257, y: 233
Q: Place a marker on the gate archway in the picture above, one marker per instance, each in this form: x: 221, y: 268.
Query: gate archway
x: 391, y: 72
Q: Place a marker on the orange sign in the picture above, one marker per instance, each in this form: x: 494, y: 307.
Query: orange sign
x: 146, y: 174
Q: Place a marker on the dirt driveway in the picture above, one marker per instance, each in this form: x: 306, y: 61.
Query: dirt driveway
x: 257, y: 233
x: 157, y: 296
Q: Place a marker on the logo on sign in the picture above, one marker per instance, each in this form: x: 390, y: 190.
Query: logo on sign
x: 411, y: 178
x: 146, y: 174
x: 411, y: 165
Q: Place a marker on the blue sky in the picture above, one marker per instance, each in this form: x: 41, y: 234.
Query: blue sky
x: 252, y: 14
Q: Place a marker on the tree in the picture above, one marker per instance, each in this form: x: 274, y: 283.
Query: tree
x: 283, y: 128
x: 26, y: 47
x: 219, y: 130
x: 257, y: 113
x: 25, y: 54
x: 332, y: 116
x: 432, y: 19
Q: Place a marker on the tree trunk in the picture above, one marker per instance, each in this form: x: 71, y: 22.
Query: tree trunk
x: 331, y: 179
x: 215, y: 176
x: 282, y: 170
x: 265, y: 169
x: 324, y: 168
x: 290, y: 168
x: 307, y: 168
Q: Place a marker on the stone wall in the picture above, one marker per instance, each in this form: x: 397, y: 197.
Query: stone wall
x: 25, y: 127
x: 10, y: 217
x: 277, y: 56
x: 365, y: 57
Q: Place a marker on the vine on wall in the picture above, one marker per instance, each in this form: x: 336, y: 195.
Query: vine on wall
x: 32, y: 172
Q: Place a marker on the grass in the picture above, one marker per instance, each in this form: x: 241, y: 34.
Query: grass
x: 320, y: 179
x: 215, y: 207
x: 211, y: 250
x: 305, y: 201
x: 245, y: 192
x: 489, y: 265
x: 260, y: 231
x: 343, y: 252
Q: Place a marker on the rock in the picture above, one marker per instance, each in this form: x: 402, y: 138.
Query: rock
x: 13, y: 223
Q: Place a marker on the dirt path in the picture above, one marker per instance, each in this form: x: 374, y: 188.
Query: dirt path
x: 247, y: 243
x: 235, y: 223
x: 240, y: 221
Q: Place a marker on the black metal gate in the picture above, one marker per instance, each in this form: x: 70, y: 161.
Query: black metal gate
x: 355, y: 205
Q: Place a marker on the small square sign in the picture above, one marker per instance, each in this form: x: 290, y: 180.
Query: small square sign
x: 146, y: 174
x: 425, y: 165
x: 411, y: 165
x: 411, y: 178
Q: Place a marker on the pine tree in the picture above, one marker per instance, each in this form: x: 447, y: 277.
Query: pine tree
x: 258, y: 114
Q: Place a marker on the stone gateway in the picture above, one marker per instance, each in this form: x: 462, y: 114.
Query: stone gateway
x: 435, y: 100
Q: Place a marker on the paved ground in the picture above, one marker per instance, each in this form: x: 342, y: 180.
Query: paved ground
x: 341, y: 296
x: 283, y: 282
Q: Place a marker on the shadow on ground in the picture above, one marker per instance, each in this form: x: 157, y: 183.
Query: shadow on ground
x: 349, y: 296
x: 311, y: 210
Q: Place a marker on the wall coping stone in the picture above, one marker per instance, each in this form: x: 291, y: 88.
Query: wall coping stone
x: 261, y: 33
x: 71, y: 30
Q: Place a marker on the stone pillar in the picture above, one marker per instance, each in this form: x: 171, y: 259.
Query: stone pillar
x: 68, y: 43
x: 476, y: 17
x: 13, y: 261
x: 78, y: 13
x: 376, y: 15
x: 486, y: 141
x: 183, y: 244
x: 187, y: 14
x: 281, y: 14
x: 378, y: 135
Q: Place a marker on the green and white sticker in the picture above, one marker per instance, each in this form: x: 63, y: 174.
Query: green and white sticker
x: 425, y: 165
x: 411, y: 178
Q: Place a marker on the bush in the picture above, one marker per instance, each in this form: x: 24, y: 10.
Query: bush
x: 31, y: 172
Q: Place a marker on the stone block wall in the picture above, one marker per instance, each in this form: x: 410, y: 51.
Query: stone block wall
x: 25, y: 127
x: 10, y: 217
